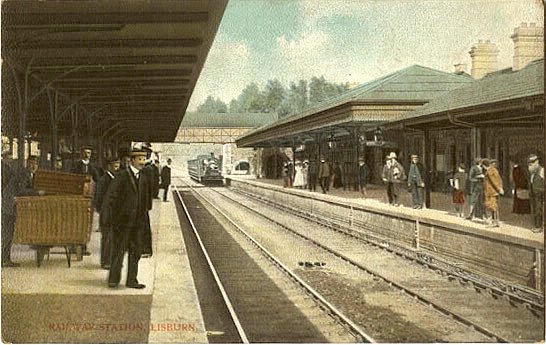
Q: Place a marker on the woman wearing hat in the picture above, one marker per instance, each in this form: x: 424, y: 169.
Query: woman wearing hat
x: 458, y: 182
x: 298, y: 177
x: 492, y: 190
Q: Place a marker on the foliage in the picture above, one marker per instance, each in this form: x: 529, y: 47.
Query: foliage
x: 212, y: 105
x: 275, y: 97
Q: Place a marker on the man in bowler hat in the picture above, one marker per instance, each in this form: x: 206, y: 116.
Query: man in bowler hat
x: 106, y: 231
x: 126, y: 207
x: 84, y: 165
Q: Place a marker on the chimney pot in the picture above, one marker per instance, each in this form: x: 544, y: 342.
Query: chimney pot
x: 528, y: 45
x: 484, y: 58
x: 460, y: 68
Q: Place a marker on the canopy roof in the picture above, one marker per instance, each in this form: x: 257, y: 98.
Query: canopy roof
x: 501, y: 98
x: 129, y: 67
x: 369, y: 104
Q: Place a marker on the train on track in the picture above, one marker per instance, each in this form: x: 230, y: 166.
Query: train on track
x: 206, y: 169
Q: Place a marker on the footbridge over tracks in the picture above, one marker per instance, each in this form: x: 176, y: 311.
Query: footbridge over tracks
x: 220, y: 128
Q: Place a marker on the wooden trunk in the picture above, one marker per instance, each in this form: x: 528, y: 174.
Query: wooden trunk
x: 53, y: 220
x: 62, y: 183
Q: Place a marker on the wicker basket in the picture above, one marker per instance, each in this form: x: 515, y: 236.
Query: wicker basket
x: 54, y: 182
x: 55, y: 220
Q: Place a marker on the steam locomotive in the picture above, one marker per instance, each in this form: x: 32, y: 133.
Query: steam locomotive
x: 205, y: 169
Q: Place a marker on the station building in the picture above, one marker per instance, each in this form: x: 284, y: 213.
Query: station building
x: 343, y: 129
x: 446, y: 118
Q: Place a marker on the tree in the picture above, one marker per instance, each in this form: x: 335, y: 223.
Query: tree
x: 274, y: 95
x: 234, y: 106
x: 321, y: 90
x: 251, y: 99
x: 212, y: 105
x: 296, y: 101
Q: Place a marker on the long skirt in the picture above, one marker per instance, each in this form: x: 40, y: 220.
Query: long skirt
x: 491, y: 202
x: 522, y: 204
x: 458, y: 197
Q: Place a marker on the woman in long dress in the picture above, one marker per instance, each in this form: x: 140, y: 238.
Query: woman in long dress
x: 522, y: 203
x: 298, y: 178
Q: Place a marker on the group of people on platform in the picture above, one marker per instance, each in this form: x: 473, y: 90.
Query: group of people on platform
x: 480, y: 187
x: 482, y: 184
x: 123, y: 197
x: 306, y: 175
x: 486, y: 186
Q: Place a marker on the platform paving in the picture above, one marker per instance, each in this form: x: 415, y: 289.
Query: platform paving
x: 57, y: 304
x: 441, y: 206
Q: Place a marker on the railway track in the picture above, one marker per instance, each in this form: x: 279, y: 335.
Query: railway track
x: 266, y: 303
x: 368, y: 233
x: 496, y: 319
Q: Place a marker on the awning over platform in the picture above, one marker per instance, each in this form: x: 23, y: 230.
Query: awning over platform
x: 127, y: 68
x: 505, y: 98
x: 360, y: 109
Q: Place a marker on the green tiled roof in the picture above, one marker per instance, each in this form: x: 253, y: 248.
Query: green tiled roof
x: 227, y: 120
x: 414, y: 83
x: 495, y: 87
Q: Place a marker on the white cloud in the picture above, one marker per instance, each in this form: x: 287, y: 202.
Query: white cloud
x: 309, y: 55
x: 313, y: 10
x: 224, y: 74
x: 382, y: 37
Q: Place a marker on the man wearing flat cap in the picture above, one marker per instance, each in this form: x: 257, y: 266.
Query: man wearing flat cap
x: 536, y: 189
x: 125, y: 209
x: 106, y: 231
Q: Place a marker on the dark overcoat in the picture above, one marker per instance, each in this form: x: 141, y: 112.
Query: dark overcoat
x: 126, y: 205
x: 166, y: 176
x: 100, y: 193
x: 79, y: 168
x: 155, y: 179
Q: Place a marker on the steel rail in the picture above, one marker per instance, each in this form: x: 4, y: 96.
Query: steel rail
x: 354, y: 328
x: 401, y: 287
x: 227, y: 301
x: 494, y: 286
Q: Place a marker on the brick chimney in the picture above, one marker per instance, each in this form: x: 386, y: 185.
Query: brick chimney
x: 484, y: 58
x: 528, y: 44
x: 460, y: 68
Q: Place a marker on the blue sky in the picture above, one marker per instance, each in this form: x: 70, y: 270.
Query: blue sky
x: 352, y: 40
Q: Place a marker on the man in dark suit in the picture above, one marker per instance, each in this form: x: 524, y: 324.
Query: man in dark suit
x: 106, y: 231
x: 166, y: 178
x: 536, y: 188
x: 155, y: 178
x: 125, y: 210
x: 16, y: 181
x: 84, y: 165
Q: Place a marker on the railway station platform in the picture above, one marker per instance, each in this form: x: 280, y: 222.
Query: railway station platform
x: 510, y: 255
x: 439, y: 201
x: 57, y: 304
